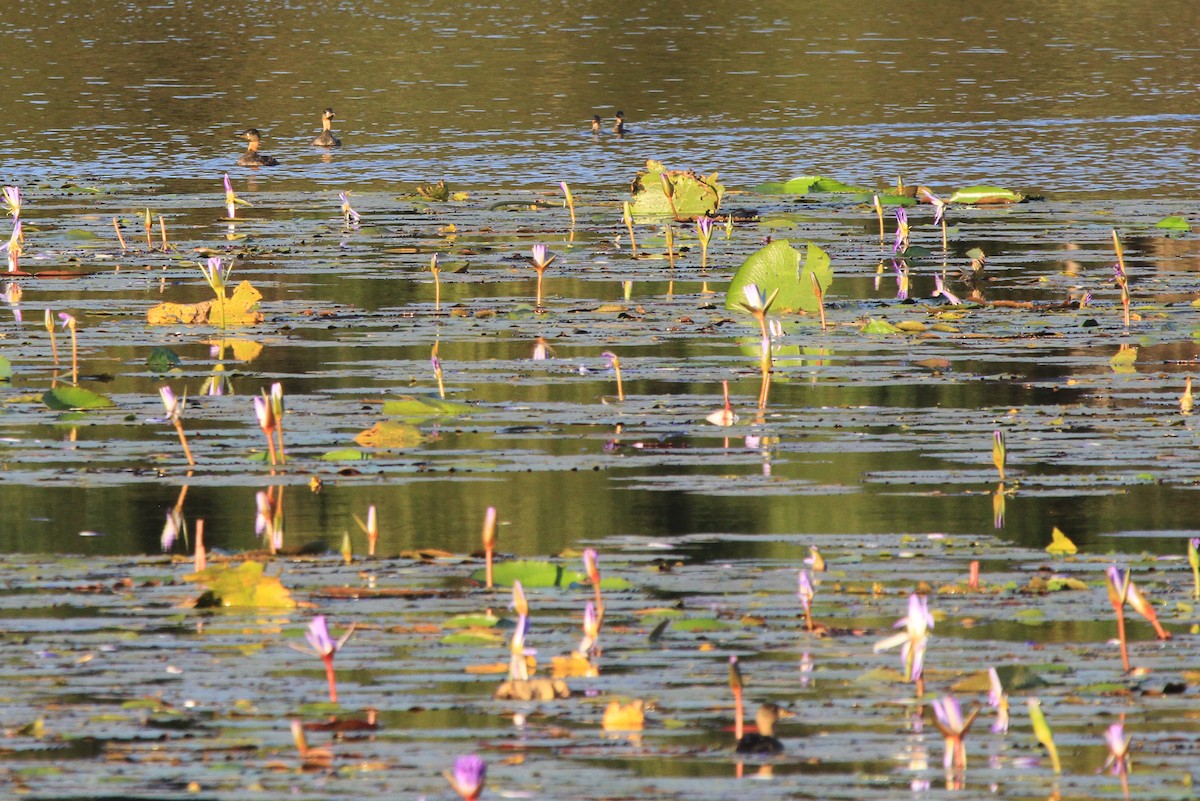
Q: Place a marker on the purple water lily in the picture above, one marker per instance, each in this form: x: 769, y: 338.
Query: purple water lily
x: 949, y: 719
x: 322, y: 645
x: 901, y: 243
x: 468, y: 777
x: 1118, y: 749
x: 917, y: 625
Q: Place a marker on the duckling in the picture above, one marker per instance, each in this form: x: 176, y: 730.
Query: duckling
x: 327, y: 139
x: 619, y: 126
x: 595, y: 123
x: 252, y: 158
x: 763, y: 741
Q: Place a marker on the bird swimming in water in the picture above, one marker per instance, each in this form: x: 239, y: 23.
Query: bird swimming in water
x: 326, y: 138
x: 595, y: 123
x: 764, y: 741
x: 252, y: 158
x: 619, y: 126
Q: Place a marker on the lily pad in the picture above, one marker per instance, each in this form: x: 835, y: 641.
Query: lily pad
x: 411, y: 407
x: 985, y: 195
x: 162, y: 360
x: 390, y: 434
x: 692, y: 195
x: 777, y: 267
x: 67, y: 398
x: 1173, y: 223
x: 244, y: 585
x: 808, y: 184
x: 5, y: 369
x: 543, y: 574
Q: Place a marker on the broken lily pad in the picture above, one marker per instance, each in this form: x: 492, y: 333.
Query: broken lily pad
x: 691, y: 195
x: 778, y: 267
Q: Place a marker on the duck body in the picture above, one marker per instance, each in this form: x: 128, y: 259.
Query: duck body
x: 326, y: 137
x: 595, y: 123
x: 763, y: 741
x: 252, y: 158
x: 619, y: 126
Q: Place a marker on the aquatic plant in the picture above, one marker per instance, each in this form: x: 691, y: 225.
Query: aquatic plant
x: 1118, y: 590
x: 437, y: 282
x: 878, y: 206
x: 939, y: 288
x: 351, y: 217
x: 1043, y: 733
x: 436, y: 363
x: 70, y: 324
x: 1141, y: 604
x: 669, y: 244
x: 468, y: 777
x: 116, y: 221
x: 12, y: 201
x: 14, y: 248
x: 275, y: 397
x: 683, y: 194
x: 954, y: 727
x: 704, y: 231
x: 764, y: 366
x: 1121, y: 276
x: 216, y: 275
x: 758, y: 306
x: 901, y: 242
x: 199, y: 555
x: 917, y: 625
x: 999, y: 452
x: 806, y: 593
x: 267, y: 421
x: 175, y: 407
x: 1186, y: 401
x: 268, y: 518
x: 310, y: 757
x: 939, y: 210
x: 1117, y: 763
x: 998, y: 700
x: 724, y: 416
x: 518, y: 667
x: 736, y: 685
x: 591, y: 629
x: 149, y: 229
x: 819, y: 295
x: 570, y: 200
x: 627, y: 216
x: 591, y: 567
x: 540, y: 260
x: 322, y: 645
x: 12, y: 295
x: 488, y: 535
x: 232, y: 201
x: 1193, y: 558
x: 370, y: 528
x: 902, y: 279
x: 615, y: 363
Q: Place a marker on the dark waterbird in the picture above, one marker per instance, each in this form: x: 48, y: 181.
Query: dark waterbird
x: 252, y: 158
x: 764, y: 741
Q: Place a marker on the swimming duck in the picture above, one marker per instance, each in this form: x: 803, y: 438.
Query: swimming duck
x: 763, y: 741
x: 252, y: 158
x: 327, y: 139
x: 619, y: 126
x: 595, y: 123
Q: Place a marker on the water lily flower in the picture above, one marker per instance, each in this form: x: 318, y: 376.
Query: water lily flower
x: 216, y: 275
x: 704, y: 230
x: 276, y: 400
x: 901, y: 243
x: 759, y: 305
x: 939, y: 288
x: 999, y: 452
x: 470, y: 773
x: 902, y: 280
x: 14, y: 248
x: 518, y: 667
x: 591, y: 567
x: 806, y: 593
x: 175, y: 407
x: 172, y: 528
x: 815, y: 559
x: 232, y: 201
x: 69, y: 323
x: 488, y: 536
x: 1142, y: 606
x: 591, y: 629
x: 615, y: 363
x: 436, y: 363
x: 265, y: 413
x: 1118, y: 591
x: 370, y: 528
x: 541, y: 260
x: 998, y: 700
x: 13, y: 294
x: 351, y: 216
x: 322, y: 645
x: 949, y: 719
x: 1118, y: 750
x: 519, y: 603
x: 570, y: 199
x: 268, y: 520
x: 917, y: 625
x: 12, y: 200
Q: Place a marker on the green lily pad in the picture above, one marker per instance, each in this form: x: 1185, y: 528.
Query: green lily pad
x: 692, y: 195
x: 875, y: 326
x: 471, y: 621
x: 695, y: 624
x: 244, y: 585
x: 344, y: 455
x: 5, y: 369
x: 409, y: 406
x: 808, y: 184
x: 69, y: 398
x: 777, y: 267
x: 984, y: 195
x: 474, y: 636
x: 162, y: 359
x: 543, y: 574
x: 1173, y: 223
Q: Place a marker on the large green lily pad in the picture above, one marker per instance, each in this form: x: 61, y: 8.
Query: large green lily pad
x: 778, y: 267
x: 692, y: 195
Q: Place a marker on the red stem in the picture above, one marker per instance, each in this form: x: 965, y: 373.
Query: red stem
x: 328, y: 660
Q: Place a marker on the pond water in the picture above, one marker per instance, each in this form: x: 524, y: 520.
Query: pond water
x: 875, y: 446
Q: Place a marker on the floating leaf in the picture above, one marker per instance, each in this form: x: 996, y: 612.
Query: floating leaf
x: 692, y: 195
x: 1060, y: 543
x: 533, y: 573
x: 240, y: 309
x: 474, y: 635
x: 695, y: 624
x: 162, y: 359
x: 1173, y: 223
x: 1124, y: 359
x: 390, y: 434
x: 807, y: 184
x: 472, y: 621
x: 411, y: 407
x: 344, y: 455
x: 983, y: 195
x: 5, y: 369
x: 67, y: 398
x: 244, y: 585
x: 875, y: 326
x: 777, y: 267
x: 624, y: 717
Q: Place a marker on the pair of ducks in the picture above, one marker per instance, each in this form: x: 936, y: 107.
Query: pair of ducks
x: 252, y: 158
x: 618, y: 127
